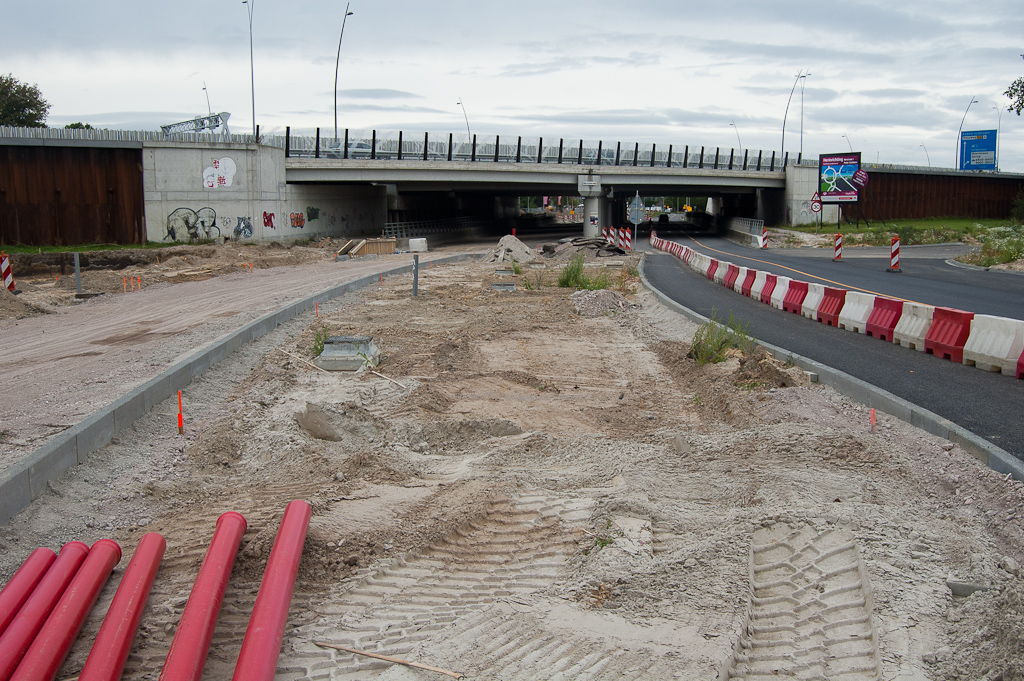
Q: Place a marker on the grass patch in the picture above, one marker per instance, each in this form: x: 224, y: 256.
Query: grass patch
x: 319, y: 338
x: 927, y: 231
x: 713, y: 340
x: 1000, y: 245
x: 516, y: 268
x: 573, y: 276
x: 85, y: 248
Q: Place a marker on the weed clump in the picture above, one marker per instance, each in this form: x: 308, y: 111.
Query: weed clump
x: 319, y: 338
x: 574, y: 277
x: 713, y: 340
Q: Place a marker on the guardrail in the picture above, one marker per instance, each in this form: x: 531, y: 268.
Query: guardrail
x: 355, y: 144
x: 424, y: 228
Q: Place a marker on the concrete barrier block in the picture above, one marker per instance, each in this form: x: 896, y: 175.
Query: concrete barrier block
x: 913, y: 326
x: 758, y: 285
x: 812, y: 301
x: 15, y: 491
x: 156, y: 390
x: 995, y: 344
x: 780, y: 292
x: 93, y: 433
x: 856, y: 311
x: 128, y: 409
x: 49, y: 461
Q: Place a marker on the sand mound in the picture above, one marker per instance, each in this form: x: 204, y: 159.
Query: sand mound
x: 509, y: 249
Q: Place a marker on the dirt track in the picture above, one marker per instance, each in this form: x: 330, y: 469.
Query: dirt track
x: 548, y: 488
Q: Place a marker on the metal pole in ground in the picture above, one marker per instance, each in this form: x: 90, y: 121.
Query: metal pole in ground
x: 78, y: 276
x: 415, y: 273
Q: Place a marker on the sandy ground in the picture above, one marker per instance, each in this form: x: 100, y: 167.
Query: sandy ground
x: 545, y: 486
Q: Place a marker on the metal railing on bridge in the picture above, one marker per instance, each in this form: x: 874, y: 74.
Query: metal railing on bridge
x: 497, y: 149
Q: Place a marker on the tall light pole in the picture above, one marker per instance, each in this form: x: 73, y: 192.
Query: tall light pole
x: 336, y: 63
x: 803, y: 82
x: 252, y: 71
x: 468, y: 133
x: 926, y: 155
x: 800, y: 74
x: 733, y: 124
x: 208, y: 109
x: 848, y: 142
x: 956, y: 160
x: 999, y: 132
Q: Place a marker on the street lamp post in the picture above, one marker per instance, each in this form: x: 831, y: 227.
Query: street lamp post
x: 999, y: 132
x: 803, y: 82
x: 956, y: 160
x: 337, y: 62
x: 800, y: 74
x: 848, y: 142
x: 464, y: 115
x: 733, y: 124
x: 252, y: 71
x: 927, y: 156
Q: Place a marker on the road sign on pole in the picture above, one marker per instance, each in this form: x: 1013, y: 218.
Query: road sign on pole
x: 636, y: 210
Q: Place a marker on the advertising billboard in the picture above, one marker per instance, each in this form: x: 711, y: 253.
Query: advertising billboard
x: 978, y: 150
x: 836, y: 177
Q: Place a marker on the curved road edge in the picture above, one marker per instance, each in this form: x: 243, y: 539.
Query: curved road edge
x: 996, y: 458
x: 27, y: 479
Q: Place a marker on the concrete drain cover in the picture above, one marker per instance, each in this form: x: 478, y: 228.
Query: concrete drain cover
x: 348, y: 353
x: 504, y: 273
x: 503, y: 287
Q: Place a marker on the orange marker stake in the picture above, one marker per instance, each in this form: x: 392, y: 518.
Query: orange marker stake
x: 181, y: 418
x: 124, y: 283
x: 133, y: 283
x: 872, y: 421
x: 316, y: 306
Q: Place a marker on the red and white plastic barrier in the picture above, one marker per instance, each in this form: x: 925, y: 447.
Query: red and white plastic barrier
x: 604, y: 234
x: 764, y: 236
x: 626, y: 239
x: 839, y: 247
x: 894, y: 254
x: 5, y: 272
x: 885, y: 315
x: 856, y: 311
x: 812, y: 301
x: 913, y: 326
x: 948, y: 333
x: 995, y: 343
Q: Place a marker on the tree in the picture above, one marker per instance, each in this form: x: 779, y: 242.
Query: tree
x: 21, y: 105
x: 78, y: 125
x: 1016, y: 94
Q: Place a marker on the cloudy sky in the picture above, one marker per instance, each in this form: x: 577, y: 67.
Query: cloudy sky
x: 894, y: 76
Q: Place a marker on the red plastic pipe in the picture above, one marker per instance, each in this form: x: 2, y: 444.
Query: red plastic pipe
x: 114, y: 642
x: 261, y: 647
x: 53, y: 642
x: 23, y: 583
x: 29, y: 620
x: 187, y: 656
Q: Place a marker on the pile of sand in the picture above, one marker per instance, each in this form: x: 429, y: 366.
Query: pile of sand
x: 510, y: 249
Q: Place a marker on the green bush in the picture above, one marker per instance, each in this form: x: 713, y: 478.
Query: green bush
x: 713, y: 340
x: 1000, y: 245
x: 573, y: 276
x: 319, y: 337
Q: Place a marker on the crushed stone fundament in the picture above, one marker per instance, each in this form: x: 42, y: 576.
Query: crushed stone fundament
x: 809, y: 614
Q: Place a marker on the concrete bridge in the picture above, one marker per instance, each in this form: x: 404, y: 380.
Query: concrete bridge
x: 161, y: 187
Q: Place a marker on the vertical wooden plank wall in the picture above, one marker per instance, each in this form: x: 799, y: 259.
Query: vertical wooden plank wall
x: 57, y: 195
x: 911, y: 196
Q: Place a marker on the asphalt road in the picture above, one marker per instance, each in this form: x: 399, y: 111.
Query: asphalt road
x: 926, y: 277
x: 987, y: 404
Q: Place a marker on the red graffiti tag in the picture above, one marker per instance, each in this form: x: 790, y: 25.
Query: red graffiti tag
x: 268, y: 220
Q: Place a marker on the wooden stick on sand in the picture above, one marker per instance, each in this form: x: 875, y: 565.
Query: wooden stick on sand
x: 415, y: 665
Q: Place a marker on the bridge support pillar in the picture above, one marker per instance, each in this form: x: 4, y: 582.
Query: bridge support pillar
x: 594, y: 209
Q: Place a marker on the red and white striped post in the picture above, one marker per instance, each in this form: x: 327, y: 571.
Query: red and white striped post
x: 839, y: 248
x: 894, y: 257
x: 764, y: 236
x: 627, y: 239
x: 5, y: 272
x: 604, y: 234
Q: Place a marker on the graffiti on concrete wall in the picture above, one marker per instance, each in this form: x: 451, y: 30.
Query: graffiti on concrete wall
x: 268, y: 220
x: 219, y: 173
x: 312, y: 213
x: 185, y: 224
x: 298, y: 220
x: 243, y: 230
